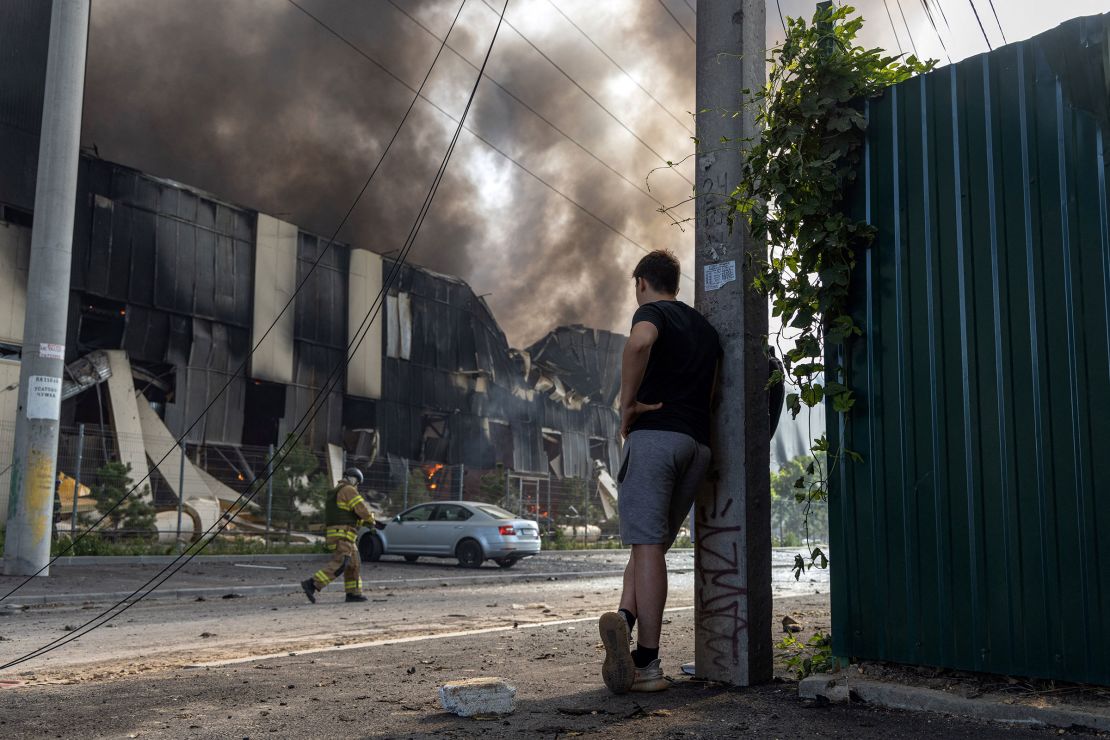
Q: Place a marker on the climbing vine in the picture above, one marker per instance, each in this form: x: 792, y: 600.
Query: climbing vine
x: 794, y: 182
x: 792, y: 193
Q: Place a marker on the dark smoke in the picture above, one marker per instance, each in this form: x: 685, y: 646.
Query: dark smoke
x: 254, y: 102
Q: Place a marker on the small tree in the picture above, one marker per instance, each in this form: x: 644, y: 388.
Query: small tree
x: 298, y: 485
x: 492, y: 486
x: 133, y: 516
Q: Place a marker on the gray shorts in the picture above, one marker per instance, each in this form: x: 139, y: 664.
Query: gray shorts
x: 658, y: 479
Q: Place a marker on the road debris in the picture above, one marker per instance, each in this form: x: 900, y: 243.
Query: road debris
x: 478, y: 696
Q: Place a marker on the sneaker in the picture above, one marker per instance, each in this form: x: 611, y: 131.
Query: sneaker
x: 309, y: 590
x: 355, y: 597
x: 618, y: 671
x: 650, y: 678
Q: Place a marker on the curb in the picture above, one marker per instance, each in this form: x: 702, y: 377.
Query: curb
x: 295, y: 587
x: 837, y: 688
x: 69, y: 560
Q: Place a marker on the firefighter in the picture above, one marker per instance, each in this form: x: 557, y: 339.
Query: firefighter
x: 344, y: 513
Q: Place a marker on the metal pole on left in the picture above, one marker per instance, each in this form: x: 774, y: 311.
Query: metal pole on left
x: 269, y: 492
x: 30, y: 509
x: 77, y: 480
x: 180, y: 491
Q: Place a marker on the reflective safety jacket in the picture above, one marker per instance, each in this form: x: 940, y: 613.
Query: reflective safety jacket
x: 345, y: 512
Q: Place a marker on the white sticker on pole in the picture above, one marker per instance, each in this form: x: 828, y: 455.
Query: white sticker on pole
x: 44, y: 397
x: 52, y: 351
x: 719, y: 274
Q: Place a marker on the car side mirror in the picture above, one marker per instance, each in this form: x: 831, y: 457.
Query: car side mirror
x: 398, y: 519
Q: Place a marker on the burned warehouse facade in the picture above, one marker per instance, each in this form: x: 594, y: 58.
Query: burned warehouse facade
x: 186, y: 285
x: 171, y: 287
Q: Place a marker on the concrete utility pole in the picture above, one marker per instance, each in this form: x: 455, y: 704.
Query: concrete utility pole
x: 732, y: 586
x: 31, y: 507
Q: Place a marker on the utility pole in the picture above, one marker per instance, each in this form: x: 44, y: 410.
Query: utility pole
x: 732, y: 584
x: 30, y: 511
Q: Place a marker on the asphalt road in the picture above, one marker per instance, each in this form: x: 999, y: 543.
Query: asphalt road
x: 274, y: 665
x: 407, y: 600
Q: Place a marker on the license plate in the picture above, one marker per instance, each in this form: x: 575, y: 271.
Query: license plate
x: 528, y: 533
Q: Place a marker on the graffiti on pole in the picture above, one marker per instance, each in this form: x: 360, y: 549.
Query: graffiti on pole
x: 721, y: 593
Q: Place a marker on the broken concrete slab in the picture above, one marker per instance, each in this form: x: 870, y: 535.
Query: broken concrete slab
x: 125, y: 419
x: 838, y: 688
x: 473, y: 697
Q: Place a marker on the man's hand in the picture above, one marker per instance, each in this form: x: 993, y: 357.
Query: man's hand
x: 629, y: 414
x: 379, y: 525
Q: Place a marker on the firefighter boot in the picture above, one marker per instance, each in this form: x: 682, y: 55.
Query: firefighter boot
x: 355, y: 598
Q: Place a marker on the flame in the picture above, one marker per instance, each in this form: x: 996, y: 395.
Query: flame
x: 430, y: 472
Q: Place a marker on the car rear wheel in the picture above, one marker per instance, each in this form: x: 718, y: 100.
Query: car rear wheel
x: 411, y: 558
x: 470, y: 554
x: 505, y: 562
x: 370, y: 548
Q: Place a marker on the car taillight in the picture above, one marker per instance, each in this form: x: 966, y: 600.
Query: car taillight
x: 506, y: 530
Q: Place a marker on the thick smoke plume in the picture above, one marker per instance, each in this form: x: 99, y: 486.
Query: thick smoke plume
x: 256, y: 103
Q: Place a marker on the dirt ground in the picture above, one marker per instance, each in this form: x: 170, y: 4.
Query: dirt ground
x: 207, y: 669
x: 411, y: 600
x: 390, y: 691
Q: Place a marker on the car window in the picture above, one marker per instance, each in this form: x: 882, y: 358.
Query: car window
x: 419, y: 514
x: 497, y: 512
x: 451, y: 513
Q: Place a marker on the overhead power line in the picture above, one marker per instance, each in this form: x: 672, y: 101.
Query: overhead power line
x: 943, y: 16
x: 906, y: 23
x: 691, y: 7
x: 993, y: 10
x: 677, y: 22
x: 586, y: 92
x: 490, y: 144
x: 781, y: 19
x: 529, y: 108
x: 182, y: 560
x: 242, y: 367
x: 618, y: 66
x: 894, y: 28
x: 936, y: 30
x: 980, y: 22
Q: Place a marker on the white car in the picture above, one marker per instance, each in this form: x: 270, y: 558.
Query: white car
x: 469, y: 531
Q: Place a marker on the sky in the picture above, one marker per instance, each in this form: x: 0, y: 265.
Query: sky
x: 552, y: 194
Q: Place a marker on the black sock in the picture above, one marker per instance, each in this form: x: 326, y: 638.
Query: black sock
x: 642, y: 656
x: 628, y: 617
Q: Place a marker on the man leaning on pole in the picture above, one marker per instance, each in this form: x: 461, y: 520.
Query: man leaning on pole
x: 668, y: 373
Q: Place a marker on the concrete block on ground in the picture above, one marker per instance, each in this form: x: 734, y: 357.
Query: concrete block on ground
x: 830, y: 687
x: 478, y: 696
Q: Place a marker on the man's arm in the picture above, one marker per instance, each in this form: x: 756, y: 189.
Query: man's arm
x: 637, y: 351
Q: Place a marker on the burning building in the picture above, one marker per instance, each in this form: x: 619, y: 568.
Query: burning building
x: 185, y: 285
x: 171, y: 287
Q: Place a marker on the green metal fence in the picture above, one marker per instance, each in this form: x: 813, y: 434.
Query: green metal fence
x: 976, y: 533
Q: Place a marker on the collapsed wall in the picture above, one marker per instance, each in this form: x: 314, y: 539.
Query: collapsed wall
x: 178, y: 286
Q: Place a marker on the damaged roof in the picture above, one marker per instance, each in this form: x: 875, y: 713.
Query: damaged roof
x: 585, y: 361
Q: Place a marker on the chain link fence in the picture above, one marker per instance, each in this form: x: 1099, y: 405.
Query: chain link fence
x: 288, y: 508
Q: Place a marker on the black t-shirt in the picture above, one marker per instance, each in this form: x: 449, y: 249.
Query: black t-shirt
x: 680, y: 369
